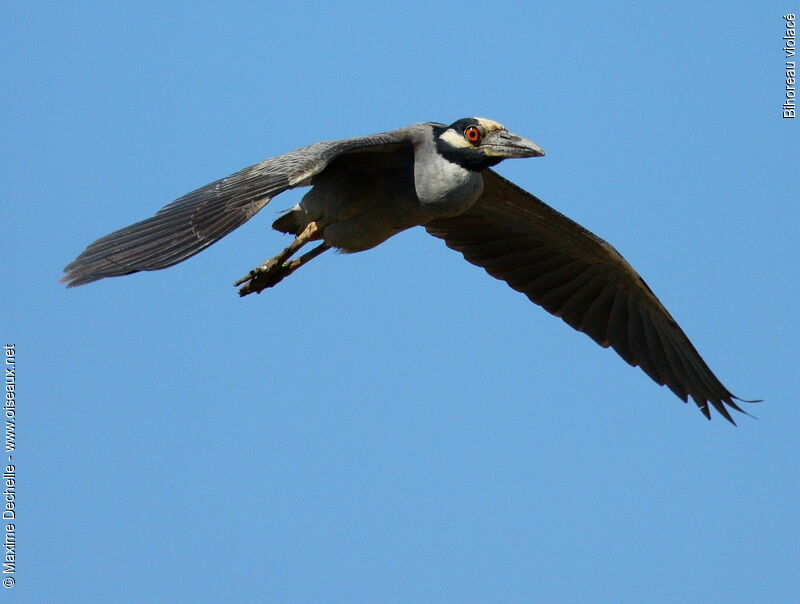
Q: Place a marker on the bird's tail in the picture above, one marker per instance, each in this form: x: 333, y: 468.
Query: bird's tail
x: 292, y: 222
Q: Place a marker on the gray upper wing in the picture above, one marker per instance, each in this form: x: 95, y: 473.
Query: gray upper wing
x: 577, y: 276
x: 193, y: 222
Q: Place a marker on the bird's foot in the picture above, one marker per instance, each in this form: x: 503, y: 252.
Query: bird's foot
x: 262, y: 277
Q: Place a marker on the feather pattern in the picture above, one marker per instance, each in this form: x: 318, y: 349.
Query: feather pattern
x: 191, y: 223
x: 577, y: 276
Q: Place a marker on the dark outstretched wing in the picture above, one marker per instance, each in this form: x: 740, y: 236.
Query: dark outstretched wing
x: 579, y: 277
x: 193, y: 222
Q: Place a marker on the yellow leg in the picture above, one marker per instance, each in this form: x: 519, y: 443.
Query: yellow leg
x: 272, y: 271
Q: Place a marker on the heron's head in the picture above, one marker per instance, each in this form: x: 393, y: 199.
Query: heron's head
x: 477, y: 143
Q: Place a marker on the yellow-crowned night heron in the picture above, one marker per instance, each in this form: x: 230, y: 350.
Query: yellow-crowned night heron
x: 366, y: 189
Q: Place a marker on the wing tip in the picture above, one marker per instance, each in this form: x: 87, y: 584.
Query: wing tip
x: 721, y: 405
x: 70, y: 278
x: 76, y: 274
x: 730, y: 400
x: 71, y: 281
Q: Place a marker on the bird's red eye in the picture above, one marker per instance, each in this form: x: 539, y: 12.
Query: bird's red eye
x: 472, y: 134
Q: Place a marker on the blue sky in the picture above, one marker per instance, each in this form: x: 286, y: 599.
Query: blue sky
x: 396, y: 426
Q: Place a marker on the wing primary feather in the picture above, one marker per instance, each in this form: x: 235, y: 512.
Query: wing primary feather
x: 576, y: 275
x: 555, y: 299
x: 638, y: 340
x: 576, y: 306
x: 618, y: 328
x: 677, y: 374
x: 595, y: 320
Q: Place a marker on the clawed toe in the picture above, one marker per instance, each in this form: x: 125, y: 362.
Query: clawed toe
x: 260, y: 278
x: 259, y: 272
x: 274, y: 270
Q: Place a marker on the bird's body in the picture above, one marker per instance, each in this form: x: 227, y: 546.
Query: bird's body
x: 366, y: 189
x: 365, y: 198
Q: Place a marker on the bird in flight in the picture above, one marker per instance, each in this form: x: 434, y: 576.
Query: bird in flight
x: 366, y: 189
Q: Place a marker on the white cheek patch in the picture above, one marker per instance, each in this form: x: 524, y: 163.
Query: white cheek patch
x: 454, y: 139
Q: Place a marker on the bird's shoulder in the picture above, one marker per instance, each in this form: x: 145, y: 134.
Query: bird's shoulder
x: 300, y: 165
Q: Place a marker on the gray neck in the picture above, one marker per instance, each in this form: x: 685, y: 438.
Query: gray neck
x: 444, y: 188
